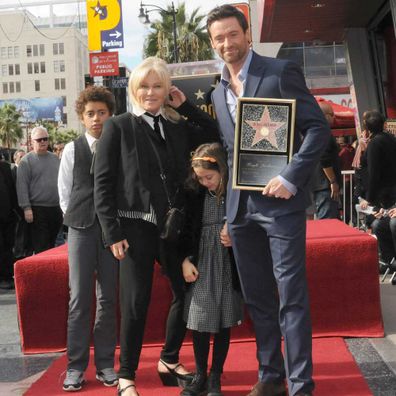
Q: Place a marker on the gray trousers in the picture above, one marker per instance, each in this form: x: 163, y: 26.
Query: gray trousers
x: 89, y: 259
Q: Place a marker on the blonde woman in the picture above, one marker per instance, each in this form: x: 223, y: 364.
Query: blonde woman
x: 131, y: 202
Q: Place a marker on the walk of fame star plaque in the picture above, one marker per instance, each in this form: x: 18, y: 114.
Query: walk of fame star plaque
x: 263, y: 140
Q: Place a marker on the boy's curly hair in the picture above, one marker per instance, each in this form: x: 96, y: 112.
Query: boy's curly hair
x: 95, y: 94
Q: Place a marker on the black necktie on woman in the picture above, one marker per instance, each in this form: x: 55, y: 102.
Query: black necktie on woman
x: 156, y: 119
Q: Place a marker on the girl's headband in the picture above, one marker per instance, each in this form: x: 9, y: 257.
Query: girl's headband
x: 210, y: 159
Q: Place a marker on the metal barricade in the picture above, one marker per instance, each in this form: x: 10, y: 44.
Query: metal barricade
x: 347, y: 175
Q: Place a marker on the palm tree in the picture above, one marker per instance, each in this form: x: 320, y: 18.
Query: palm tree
x: 193, y: 41
x: 10, y: 129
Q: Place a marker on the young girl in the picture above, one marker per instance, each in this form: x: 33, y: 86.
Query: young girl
x: 213, y: 302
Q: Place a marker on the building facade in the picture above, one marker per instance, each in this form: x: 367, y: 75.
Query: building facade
x: 42, y: 66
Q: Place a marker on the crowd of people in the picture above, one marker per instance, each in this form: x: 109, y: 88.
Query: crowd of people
x: 114, y: 187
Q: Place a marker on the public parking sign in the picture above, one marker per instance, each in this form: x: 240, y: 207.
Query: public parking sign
x: 103, y: 64
x: 105, y: 30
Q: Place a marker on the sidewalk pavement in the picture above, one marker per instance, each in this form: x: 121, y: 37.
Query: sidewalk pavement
x: 376, y: 357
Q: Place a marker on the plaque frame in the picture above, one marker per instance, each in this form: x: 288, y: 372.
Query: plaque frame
x: 269, y: 147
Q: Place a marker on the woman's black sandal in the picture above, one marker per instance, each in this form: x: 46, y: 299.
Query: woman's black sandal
x: 121, y: 391
x: 173, y: 378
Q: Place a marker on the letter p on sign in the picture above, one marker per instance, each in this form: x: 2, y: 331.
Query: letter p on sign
x: 102, y: 16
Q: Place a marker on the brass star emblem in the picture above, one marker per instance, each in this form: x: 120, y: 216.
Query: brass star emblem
x: 265, y: 129
x: 199, y: 94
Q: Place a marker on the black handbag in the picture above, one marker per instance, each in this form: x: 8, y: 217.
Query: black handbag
x: 174, y: 218
x: 173, y: 225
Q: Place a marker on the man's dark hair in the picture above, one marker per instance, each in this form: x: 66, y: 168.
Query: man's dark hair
x: 226, y: 11
x: 374, y: 121
x: 95, y: 94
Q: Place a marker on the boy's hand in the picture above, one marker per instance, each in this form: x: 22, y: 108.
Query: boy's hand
x: 119, y: 249
x: 190, y: 272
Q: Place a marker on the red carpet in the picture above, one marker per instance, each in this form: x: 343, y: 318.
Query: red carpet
x: 342, y: 271
x: 335, y: 372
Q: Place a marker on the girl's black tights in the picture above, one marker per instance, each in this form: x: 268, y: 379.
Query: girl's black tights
x: 221, y: 343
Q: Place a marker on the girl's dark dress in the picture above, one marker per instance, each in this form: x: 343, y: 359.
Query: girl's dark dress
x: 212, y: 302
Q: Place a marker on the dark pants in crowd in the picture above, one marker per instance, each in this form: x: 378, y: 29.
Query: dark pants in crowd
x: 7, y: 236
x: 45, y: 227
x: 23, y: 239
x: 326, y: 207
x: 385, y: 231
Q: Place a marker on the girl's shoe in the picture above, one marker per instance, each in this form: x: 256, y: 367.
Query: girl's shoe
x: 214, y: 384
x: 197, y: 387
x: 172, y: 378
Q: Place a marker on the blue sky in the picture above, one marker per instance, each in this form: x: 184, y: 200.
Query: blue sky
x: 134, y: 31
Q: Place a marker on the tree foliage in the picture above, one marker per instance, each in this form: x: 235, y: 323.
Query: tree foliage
x: 10, y: 129
x: 59, y: 135
x: 193, y: 41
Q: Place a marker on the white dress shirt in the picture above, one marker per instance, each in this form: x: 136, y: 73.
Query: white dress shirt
x: 65, y: 175
x: 138, y: 111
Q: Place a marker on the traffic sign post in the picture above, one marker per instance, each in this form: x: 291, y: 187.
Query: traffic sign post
x: 105, y: 28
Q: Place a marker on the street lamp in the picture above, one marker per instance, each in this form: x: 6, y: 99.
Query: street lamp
x: 144, y: 18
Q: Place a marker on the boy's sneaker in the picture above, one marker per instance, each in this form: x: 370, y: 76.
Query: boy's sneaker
x: 107, y: 376
x: 73, y: 381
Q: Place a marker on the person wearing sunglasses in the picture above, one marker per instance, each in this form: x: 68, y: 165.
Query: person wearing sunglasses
x: 37, y: 190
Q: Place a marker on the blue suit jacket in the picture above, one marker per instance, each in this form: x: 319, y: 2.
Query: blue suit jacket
x: 275, y: 78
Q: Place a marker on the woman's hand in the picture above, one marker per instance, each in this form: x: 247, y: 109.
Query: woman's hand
x: 176, y: 97
x: 225, y: 236
x: 119, y: 249
x: 190, y: 271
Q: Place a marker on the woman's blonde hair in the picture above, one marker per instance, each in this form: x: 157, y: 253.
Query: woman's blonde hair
x: 159, y: 67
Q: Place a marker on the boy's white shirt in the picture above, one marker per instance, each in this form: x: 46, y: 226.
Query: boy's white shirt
x: 65, y: 175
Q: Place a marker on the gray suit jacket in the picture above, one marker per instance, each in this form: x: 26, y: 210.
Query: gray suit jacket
x: 275, y: 78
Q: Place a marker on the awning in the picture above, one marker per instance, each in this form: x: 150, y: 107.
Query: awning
x: 344, y: 116
x: 310, y: 20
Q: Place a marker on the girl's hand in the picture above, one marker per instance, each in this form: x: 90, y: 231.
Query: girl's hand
x: 176, y: 97
x: 224, y: 236
x: 119, y: 249
x: 190, y: 271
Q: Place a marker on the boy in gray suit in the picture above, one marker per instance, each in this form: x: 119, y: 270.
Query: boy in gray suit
x: 88, y: 259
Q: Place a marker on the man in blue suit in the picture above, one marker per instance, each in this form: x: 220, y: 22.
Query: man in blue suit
x: 268, y: 228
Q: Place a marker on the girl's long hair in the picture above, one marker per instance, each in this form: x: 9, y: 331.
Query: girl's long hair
x: 209, y: 156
